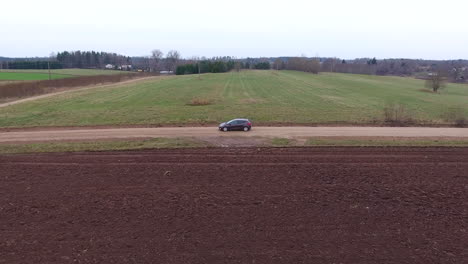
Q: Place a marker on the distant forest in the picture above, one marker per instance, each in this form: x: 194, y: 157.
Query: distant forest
x: 67, y: 59
x: 90, y: 59
x: 172, y: 62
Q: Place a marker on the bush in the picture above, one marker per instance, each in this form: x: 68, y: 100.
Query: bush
x: 186, y: 69
x: 396, y: 115
x: 457, y: 116
x: 262, y: 66
x: 212, y: 66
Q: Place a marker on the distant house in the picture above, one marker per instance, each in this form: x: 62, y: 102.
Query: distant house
x: 166, y: 72
x: 109, y: 66
x: 125, y: 67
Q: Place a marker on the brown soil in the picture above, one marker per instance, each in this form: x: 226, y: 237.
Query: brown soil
x: 297, y: 205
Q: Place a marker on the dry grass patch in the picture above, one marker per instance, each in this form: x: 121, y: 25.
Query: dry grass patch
x: 200, y: 101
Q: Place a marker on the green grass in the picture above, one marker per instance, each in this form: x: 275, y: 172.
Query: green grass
x: 282, y: 142
x: 154, y: 143
x: 158, y: 143
x: 88, y: 72
x: 36, y: 75
x: 262, y: 96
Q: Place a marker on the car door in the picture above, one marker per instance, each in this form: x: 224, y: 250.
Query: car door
x: 235, y: 125
x: 240, y: 124
x: 231, y: 125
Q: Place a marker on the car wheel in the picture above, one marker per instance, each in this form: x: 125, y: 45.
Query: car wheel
x: 246, y: 129
x: 225, y: 129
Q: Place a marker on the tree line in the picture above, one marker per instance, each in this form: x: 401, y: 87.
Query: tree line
x: 205, y: 66
x: 36, y: 65
x: 172, y: 62
x: 453, y: 71
x: 90, y: 59
x: 157, y: 61
x: 68, y: 59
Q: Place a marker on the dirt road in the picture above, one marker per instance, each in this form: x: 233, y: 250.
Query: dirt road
x: 287, y: 132
x: 307, y: 205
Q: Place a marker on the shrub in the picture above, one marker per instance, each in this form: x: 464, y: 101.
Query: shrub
x: 396, y: 115
x: 281, y: 142
x: 262, y: 66
x: 457, y: 116
x: 212, y: 66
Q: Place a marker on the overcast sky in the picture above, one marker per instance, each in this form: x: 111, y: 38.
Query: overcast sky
x: 242, y: 28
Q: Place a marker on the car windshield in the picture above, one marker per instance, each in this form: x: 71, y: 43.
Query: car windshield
x: 231, y: 122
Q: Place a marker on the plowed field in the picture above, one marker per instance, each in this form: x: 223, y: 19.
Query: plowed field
x: 296, y: 205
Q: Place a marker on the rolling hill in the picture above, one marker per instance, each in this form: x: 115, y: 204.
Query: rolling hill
x: 265, y: 97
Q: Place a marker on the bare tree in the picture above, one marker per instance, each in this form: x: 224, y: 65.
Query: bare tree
x: 237, y: 66
x: 304, y: 64
x: 277, y: 64
x: 172, y: 59
x: 436, y: 80
x: 155, y: 60
x: 329, y: 64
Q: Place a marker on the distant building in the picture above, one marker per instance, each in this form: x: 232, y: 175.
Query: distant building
x: 125, y: 67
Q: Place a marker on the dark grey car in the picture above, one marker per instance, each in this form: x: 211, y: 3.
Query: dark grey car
x: 239, y: 124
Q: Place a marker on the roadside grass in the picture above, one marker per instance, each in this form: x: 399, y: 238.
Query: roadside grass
x: 155, y: 143
x: 160, y: 143
x: 282, y: 142
x: 265, y: 97
x: 387, y: 142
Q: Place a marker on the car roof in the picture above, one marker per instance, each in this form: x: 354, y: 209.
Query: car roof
x: 240, y: 119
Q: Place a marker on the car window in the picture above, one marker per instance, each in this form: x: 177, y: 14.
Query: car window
x: 237, y: 122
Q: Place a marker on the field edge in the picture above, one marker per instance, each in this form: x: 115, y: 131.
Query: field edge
x: 219, y: 142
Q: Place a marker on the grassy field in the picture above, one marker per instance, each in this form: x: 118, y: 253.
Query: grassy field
x: 36, y: 75
x: 262, y: 96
